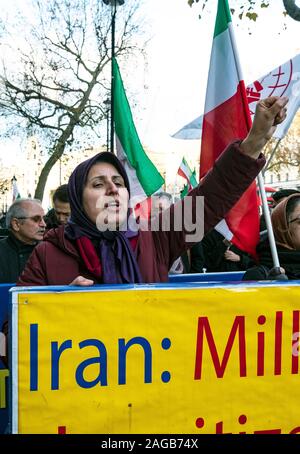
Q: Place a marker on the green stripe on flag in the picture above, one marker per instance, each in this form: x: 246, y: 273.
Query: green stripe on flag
x: 147, y: 174
x: 184, y: 191
x: 223, y: 17
x: 191, y: 175
x: 193, y: 180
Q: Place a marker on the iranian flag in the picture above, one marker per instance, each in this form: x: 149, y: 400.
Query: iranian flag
x: 185, y: 172
x: 143, y: 176
x: 227, y: 118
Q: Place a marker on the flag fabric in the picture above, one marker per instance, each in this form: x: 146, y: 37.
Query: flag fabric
x: 227, y: 118
x: 191, y: 131
x: 185, y: 172
x: 15, y: 190
x: 143, y: 176
x: 184, y: 191
x: 282, y: 81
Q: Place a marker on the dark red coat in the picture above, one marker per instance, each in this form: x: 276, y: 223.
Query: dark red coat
x: 56, y: 260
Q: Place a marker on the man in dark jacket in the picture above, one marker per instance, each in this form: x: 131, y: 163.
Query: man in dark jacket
x: 25, y: 221
x: 60, y: 213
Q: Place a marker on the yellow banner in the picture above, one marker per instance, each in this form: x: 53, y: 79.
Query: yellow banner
x: 205, y: 360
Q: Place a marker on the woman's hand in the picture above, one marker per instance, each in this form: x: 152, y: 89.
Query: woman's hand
x: 269, y: 113
x: 232, y: 256
x: 82, y: 281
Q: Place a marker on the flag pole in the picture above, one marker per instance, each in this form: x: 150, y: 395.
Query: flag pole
x: 113, y: 4
x: 174, y: 189
x: 259, y: 178
x: 112, y: 95
x: 272, y: 155
x: 268, y: 221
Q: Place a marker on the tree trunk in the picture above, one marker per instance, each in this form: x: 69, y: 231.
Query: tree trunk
x: 55, y: 156
x: 61, y: 143
x: 39, y: 192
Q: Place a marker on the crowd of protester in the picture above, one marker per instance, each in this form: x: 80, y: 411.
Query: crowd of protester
x: 26, y: 225
x: 70, y: 245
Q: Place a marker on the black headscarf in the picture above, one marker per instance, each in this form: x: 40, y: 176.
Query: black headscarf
x: 118, y: 261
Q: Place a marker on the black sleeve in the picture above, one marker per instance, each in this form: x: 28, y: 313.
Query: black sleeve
x: 256, y: 273
x: 197, y: 258
x: 246, y: 260
x: 213, y: 249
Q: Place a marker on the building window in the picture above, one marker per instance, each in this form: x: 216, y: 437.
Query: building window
x: 279, y: 177
x: 271, y: 179
x: 286, y: 177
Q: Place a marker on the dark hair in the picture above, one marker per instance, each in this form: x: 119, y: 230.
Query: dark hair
x: 283, y: 193
x: 61, y: 194
x: 291, y: 205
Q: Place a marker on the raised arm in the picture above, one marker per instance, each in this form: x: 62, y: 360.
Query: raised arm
x: 268, y: 114
x: 230, y: 176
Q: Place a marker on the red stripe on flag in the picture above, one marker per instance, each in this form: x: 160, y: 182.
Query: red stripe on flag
x: 143, y: 209
x: 230, y: 121
x: 222, y: 125
x: 243, y: 221
x: 181, y: 173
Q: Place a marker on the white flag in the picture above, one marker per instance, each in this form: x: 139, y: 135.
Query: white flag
x: 191, y: 131
x: 282, y: 81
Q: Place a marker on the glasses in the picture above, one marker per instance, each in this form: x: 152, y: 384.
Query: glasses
x: 36, y: 218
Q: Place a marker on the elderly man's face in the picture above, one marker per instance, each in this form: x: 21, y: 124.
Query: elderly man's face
x: 29, y: 228
x: 105, y: 197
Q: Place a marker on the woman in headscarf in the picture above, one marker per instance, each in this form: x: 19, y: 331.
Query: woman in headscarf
x: 286, y: 227
x: 97, y: 246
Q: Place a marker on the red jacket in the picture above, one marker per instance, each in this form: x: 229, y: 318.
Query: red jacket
x: 56, y: 260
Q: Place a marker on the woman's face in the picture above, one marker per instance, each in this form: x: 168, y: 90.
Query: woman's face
x: 294, y: 227
x: 105, y: 197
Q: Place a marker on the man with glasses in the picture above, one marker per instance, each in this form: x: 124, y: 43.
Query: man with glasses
x: 25, y: 221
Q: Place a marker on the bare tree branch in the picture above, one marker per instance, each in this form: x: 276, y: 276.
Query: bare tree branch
x: 288, y: 151
x: 55, y: 83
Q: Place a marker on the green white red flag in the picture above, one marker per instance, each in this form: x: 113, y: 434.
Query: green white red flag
x: 185, y: 172
x: 143, y: 176
x: 227, y: 118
